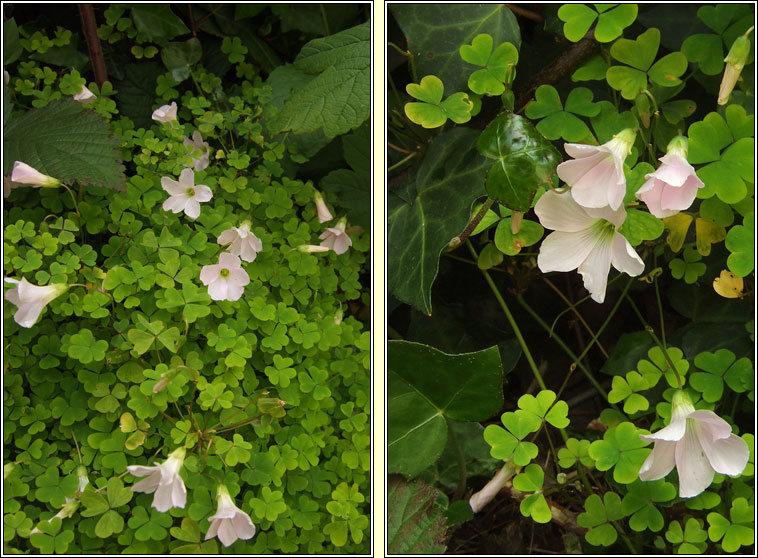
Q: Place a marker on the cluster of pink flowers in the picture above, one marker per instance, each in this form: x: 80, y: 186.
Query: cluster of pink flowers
x: 587, y: 217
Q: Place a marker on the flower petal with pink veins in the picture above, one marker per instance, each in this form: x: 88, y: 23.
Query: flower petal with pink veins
x: 560, y: 212
x: 695, y: 472
x: 715, y: 426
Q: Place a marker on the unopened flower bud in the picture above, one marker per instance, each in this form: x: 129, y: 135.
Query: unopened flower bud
x: 24, y: 174
x: 338, y: 317
x: 324, y: 214
x: 735, y: 61
x: 310, y: 248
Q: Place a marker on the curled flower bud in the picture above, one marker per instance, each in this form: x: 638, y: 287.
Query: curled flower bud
x: 735, y: 61
x: 166, y: 113
x: 324, y: 214
x: 310, y: 248
x: 24, y: 174
x: 85, y: 95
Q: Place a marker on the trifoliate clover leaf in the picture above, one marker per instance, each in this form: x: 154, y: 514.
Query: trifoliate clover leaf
x: 720, y: 367
x: 491, y: 78
x: 575, y: 450
x: 740, y: 241
x: 511, y: 244
x: 625, y: 389
x: 559, y: 121
x: 707, y: 233
x: 52, y: 540
x: 432, y: 111
x: 622, y: 449
x: 536, y: 506
x: 612, y: 19
x: 657, y: 366
x: 593, y: 69
x: 691, y: 540
x: 53, y: 488
x: 690, y: 268
x: 507, y: 443
x: 598, y: 516
x: 545, y: 407
x: 640, y: 226
x: 735, y: 532
x: 638, y: 503
x: 149, y: 525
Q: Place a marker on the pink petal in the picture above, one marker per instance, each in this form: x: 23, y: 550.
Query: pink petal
x: 695, y: 471
x: 203, y: 193
x: 172, y: 186
x: 660, y: 461
x: 681, y: 198
x: 727, y: 456
x: 580, y: 150
x: 229, y: 261
x: 247, y: 252
x: 218, y: 290
x: 672, y: 433
x: 213, y: 529
x: 192, y: 209
x: 243, y: 525
x: 227, y: 237
x: 624, y: 258
x: 651, y: 193
x: 162, y: 501
x: 239, y: 277
x: 594, y: 270
x: 187, y: 178
x: 209, y: 273
x: 673, y: 170
x: 178, y: 492
x: 716, y: 427
x: 560, y: 212
x: 175, y: 204
x: 149, y: 484
x: 342, y: 243
x: 141, y: 471
x: 233, y: 291
x: 226, y: 533
x: 564, y: 251
x: 592, y: 185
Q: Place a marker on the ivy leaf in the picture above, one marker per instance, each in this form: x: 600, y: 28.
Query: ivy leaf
x: 157, y: 22
x: 338, y: 98
x: 524, y: 160
x: 490, y: 80
x: 68, y: 142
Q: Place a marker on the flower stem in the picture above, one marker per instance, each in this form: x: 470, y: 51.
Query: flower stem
x: 402, y: 162
x: 511, y: 321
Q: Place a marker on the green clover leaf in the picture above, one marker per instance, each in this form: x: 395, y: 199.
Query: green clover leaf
x: 691, y: 540
x: 508, y: 443
x: 190, y: 532
x: 149, y: 526
x: 575, y: 450
x: 598, y: 516
x: 622, y: 449
x: 690, y: 268
x: 735, y: 532
x: 511, y: 244
x: 51, y: 540
x: 740, y: 241
x: 625, y: 388
x: 53, y: 488
x: 638, y: 503
x: 491, y: 78
x: 612, y: 19
x: 545, y: 407
x: 534, y: 505
x: 720, y: 367
x: 658, y: 366
x: 559, y: 122
x: 432, y: 111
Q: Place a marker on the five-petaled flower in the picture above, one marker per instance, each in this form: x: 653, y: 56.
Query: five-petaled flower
x: 698, y: 443
x: 323, y: 212
x: 185, y: 195
x: 166, y: 113
x: 335, y: 238
x: 164, y: 480
x: 31, y: 299
x: 24, y: 174
x: 243, y: 242
x: 585, y: 239
x: 673, y: 186
x: 197, y: 143
x: 85, y: 95
x: 596, y: 172
x: 227, y: 279
x: 230, y: 523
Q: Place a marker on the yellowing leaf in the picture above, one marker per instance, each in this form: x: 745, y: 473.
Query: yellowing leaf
x: 728, y: 285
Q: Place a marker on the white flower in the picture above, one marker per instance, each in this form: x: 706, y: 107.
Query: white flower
x: 596, y: 174
x: 166, y: 113
x: 493, y: 487
x: 335, y: 238
x: 164, y: 480
x: 243, y: 242
x: 185, y: 195
x: 230, y: 523
x: 698, y: 443
x: 31, y: 299
x: 586, y: 240
x: 324, y: 214
x: 197, y: 143
x: 226, y: 281
x: 673, y: 187
x: 24, y: 174
x: 85, y: 95
x: 735, y: 61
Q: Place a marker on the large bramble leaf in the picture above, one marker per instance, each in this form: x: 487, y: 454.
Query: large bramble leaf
x: 414, y: 524
x: 68, y: 142
x: 448, y: 181
x: 524, y: 160
x: 337, y: 99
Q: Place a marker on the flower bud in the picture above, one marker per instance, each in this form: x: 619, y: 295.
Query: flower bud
x: 24, y: 174
x: 85, y: 95
x: 324, y: 214
x: 8, y: 469
x: 735, y: 61
x: 310, y: 248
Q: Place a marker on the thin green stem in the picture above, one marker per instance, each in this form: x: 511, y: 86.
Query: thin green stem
x: 625, y: 538
x: 402, y: 162
x: 565, y: 348
x: 511, y: 321
x: 655, y: 339
x: 326, y: 22
x: 660, y: 306
x: 461, y: 488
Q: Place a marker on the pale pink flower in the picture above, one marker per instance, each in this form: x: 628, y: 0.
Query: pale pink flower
x: 243, y: 242
x: 85, y: 95
x: 735, y: 61
x: 185, y: 194
x: 166, y: 113
x: 673, y: 186
x: 698, y: 443
x: 197, y: 143
x: 31, y: 299
x: 230, y: 523
x: 324, y: 214
x: 335, y: 238
x: 164, y: 480
x: 585, y: 239
x: 493, y: 487
x: 596, y: 174
x: 24, y: 174
x: 227, y: 279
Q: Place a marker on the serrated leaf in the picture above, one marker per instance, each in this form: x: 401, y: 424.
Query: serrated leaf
x: 68, y: 142
x: 415, y: 525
